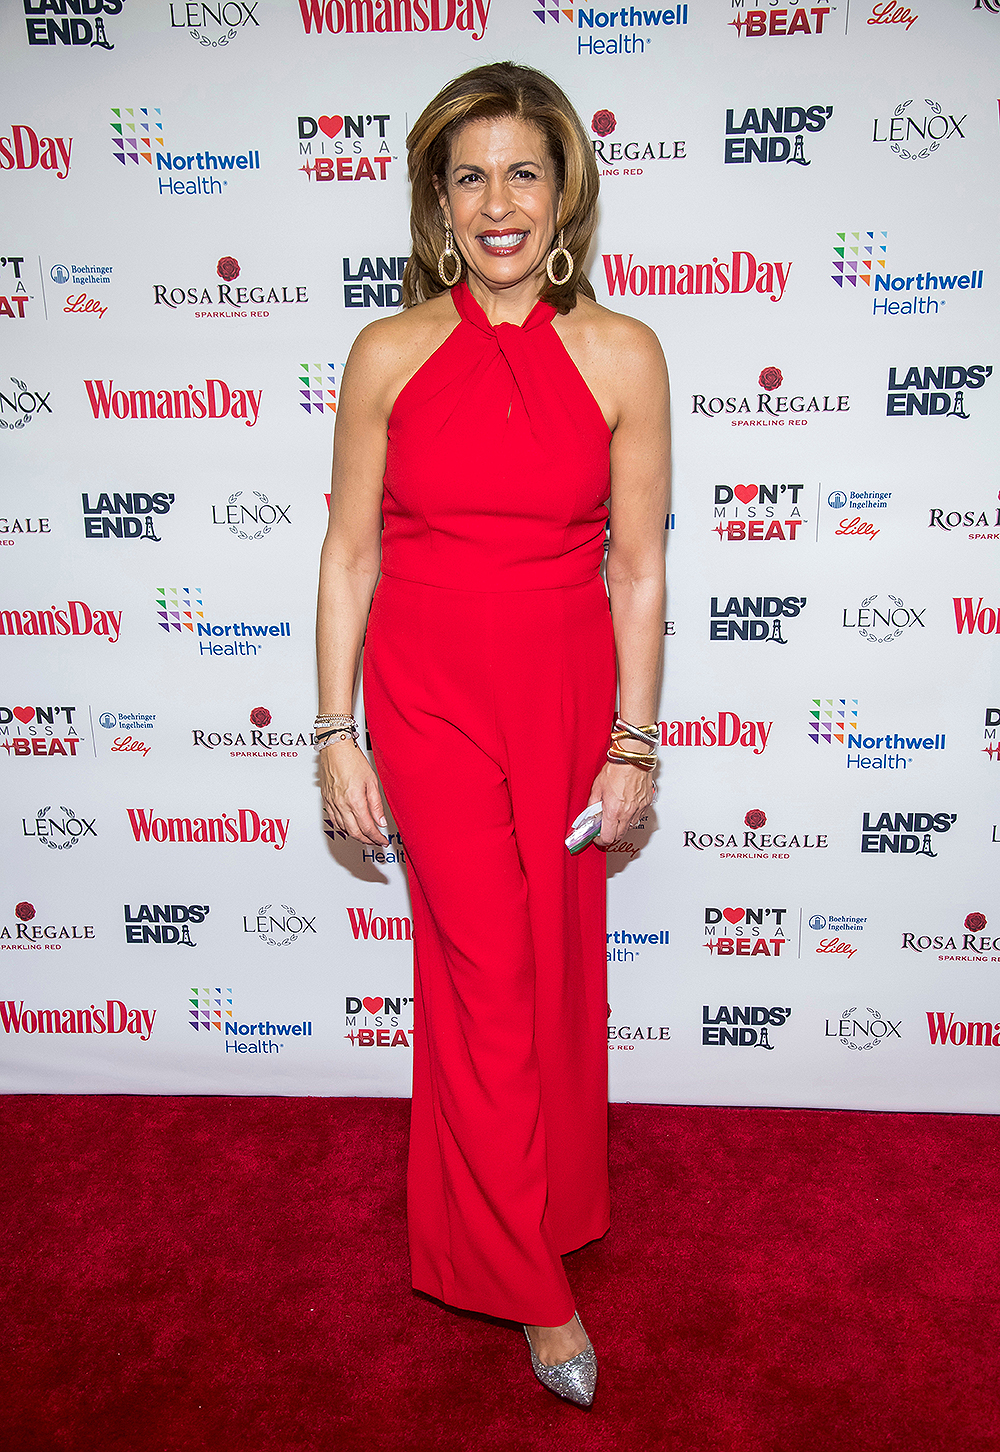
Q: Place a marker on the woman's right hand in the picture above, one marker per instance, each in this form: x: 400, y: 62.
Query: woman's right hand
x: 351, y: 793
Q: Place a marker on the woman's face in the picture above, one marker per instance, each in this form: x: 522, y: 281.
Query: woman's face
x: 501, y: 198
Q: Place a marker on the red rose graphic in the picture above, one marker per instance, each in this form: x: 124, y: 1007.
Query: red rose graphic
x: 603, y: 123
x: 770, y: 379
x: 260, y: 716
x: 975, y: 922
x: 754, y: 819
x: 25, y: 911
x: 228, y: 269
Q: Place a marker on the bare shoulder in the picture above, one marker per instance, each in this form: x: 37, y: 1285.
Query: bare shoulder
x: 611, y: 341
x: 387, y: 353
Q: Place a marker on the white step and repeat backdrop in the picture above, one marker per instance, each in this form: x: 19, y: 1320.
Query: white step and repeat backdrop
x: 202, y: 204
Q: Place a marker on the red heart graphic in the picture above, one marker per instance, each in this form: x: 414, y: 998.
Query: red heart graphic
x: 24, y: 713
x: 373, y: 1004
x: 733, y: 915
x: 330, y: 125
x: 745, y: 492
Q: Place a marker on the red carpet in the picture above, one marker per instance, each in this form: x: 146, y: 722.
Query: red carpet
x: 184, y: 1274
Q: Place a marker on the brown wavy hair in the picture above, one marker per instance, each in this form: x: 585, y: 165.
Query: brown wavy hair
x: 484, y: 94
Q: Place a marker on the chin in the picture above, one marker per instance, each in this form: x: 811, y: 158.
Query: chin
x: 507, y: 271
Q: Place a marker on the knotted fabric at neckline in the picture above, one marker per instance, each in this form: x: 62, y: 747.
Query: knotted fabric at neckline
x: 470, y: 311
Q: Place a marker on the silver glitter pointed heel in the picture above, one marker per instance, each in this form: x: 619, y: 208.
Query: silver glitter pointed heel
x: 573, y: 1380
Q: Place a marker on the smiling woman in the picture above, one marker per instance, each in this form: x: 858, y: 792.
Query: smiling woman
x: 485, y: 439
x: 557, y: 164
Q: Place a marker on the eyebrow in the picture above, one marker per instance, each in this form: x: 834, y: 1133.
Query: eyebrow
x: 514, y: 166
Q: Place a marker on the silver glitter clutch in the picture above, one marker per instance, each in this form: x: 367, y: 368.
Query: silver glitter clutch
x: 573, y: 1380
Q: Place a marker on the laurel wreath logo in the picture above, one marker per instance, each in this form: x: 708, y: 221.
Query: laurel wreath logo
x: 873, y: 1043
x: 68, y: 812
x: 868, y: 634
x: 276, y: 942
x: 24, y: 417
x: 901, y: 150
x: 240, y: 533
x: 207, y: 40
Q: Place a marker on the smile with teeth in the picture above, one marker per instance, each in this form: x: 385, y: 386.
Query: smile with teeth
x: 502, y: 243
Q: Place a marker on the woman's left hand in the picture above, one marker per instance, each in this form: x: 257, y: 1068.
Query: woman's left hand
x: 624, y: 793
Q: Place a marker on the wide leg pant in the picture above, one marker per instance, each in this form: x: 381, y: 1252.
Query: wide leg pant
x: 489, y: 715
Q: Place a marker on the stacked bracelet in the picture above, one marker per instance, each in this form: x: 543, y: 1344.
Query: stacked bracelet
x: 336, y: 727
x: 649, y: 736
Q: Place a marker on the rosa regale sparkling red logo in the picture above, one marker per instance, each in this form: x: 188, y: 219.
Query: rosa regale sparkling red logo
x: 260, y: 716
x: 975, y: 922
x: 603, y: 123
x: 770, y: 379
x: 754, y: 819
x: 228, y: 269
x: 25, y: 911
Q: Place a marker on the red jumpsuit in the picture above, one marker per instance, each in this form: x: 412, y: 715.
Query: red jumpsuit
x: 489, y: 685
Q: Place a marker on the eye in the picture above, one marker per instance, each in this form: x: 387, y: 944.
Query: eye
x: 466, y: 177
x: 526, y: 175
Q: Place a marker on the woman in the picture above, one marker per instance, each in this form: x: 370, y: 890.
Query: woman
x: 480, y: 435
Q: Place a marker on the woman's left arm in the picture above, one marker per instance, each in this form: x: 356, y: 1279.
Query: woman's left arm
x: 640, y: 480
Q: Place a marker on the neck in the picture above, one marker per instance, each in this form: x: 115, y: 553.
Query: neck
x: 506, y: 304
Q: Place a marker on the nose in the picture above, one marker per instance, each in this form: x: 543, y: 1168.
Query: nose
x: 496, y: 203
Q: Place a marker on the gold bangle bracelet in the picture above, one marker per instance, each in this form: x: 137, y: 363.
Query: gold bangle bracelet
x: 645, y: 762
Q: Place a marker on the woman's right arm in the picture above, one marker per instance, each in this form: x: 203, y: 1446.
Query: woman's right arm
x: 349, y: 570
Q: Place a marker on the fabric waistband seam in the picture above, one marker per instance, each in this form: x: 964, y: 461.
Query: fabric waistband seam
x: 508, y: 590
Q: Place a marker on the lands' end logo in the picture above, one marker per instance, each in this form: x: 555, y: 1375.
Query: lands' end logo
x: 72, y: 29
x: 124, y: 516
x: 166, y: 922
x: 901, y: 832
x: 936, y: 391
x: 756, y: 618
x: 770, y: 130
x: 390, y: 17
x: 741, y: 1027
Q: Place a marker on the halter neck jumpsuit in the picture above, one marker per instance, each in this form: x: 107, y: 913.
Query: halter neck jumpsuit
x: 489, y: 688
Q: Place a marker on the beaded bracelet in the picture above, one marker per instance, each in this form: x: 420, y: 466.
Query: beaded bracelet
x: 335, y: 727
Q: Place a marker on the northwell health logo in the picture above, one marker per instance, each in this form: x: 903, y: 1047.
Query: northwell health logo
x: 211, y: 1009
x: 138, y: 136
x: 180, y: 608
x: 862, y: 258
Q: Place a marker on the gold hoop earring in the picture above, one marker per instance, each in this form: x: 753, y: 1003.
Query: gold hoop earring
x: 559, y: 251
x: 449, y: 251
